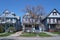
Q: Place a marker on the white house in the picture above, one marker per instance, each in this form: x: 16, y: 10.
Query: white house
x: 31, y: 23
x: 9, y: 19
x: 52, y: 21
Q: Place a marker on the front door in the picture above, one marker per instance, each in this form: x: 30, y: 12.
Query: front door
x: 36, y: 27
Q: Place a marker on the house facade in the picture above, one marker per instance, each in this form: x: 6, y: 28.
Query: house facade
x: 31, y: 23
x: 9, y: 19
x: 52, y: 21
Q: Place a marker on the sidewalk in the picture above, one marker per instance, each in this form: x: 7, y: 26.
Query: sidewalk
x: 16, y: 34
x: 49, y: 33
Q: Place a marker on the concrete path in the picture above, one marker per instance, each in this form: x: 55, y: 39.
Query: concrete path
x: 16, y: 34
x: 49, y: 33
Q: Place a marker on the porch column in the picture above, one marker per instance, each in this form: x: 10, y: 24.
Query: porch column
x: 49, y: 26
x: 40, y: 29
x: 33, y: 28
x: 23, y: 28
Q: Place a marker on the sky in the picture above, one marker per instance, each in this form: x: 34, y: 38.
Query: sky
x: 18, y: 5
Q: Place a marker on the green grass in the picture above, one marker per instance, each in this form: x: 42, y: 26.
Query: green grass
x: 2, y: 33
x: 56, y: 32
x: 35, y: 34
x: 44, y: 35
x: 28, y: 34
x: 5, y: 34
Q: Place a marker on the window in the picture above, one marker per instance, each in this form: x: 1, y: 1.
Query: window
x: 32, y: 20
x: 36, y: 27
x: 23, y: 19
x: 29, y: 19
x: 49, y: 20
x: 26, y: 19
x: 0, y: 18
x: 56, y: 20
x: 53, y: 20
x: 54, y: 13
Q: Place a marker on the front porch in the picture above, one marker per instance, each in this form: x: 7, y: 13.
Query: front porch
x: 52, y: 27
x: 7, y: 27
x: 32, y: 28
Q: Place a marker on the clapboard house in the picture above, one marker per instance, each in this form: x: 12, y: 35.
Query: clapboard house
x: 31, y: 23
x: 52, y: 21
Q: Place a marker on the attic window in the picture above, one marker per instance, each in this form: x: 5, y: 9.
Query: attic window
x: 54, y: 13
x: 14, y: 14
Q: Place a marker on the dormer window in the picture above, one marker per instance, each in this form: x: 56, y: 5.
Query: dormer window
x: 14, y: 14
x: 6, y: 12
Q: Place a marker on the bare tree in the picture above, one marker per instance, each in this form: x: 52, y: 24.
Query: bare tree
x: 39, y: 10
x: 28, y: 9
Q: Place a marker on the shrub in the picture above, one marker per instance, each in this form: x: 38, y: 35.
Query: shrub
x: 1, y: 29
x: 12, y: 29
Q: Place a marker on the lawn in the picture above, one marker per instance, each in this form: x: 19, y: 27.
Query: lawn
x: 5, y: 34
x: 56, y: 32
x: 43, y: 35
x: 25, y: 34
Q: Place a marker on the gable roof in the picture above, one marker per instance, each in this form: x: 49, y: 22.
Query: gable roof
x: 9, y: 14
x: 52, y: 12
x: 6, y: 13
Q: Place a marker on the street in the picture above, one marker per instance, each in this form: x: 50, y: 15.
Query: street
x: 30, y: 38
